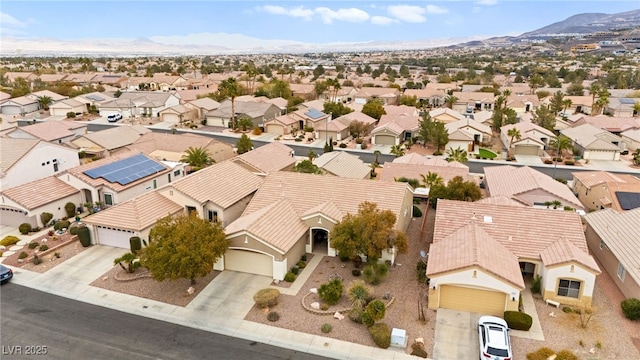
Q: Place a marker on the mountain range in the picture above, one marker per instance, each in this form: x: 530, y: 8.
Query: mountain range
x: 223, y: 43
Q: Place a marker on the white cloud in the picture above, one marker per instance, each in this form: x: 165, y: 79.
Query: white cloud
x: 348, y: 15
x: 298, y: 12
x: 382, y: 20
x: 13, y: 26
x: 434, y: 9
x: 487, y: 2
x: 407, y: 13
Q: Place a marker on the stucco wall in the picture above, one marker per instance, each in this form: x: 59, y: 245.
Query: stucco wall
x: 551, y: 279
x: 30, y: 167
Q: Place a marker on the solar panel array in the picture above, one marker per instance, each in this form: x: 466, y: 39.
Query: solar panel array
x: 127, y: 170
x: 315, y: 114
x: 628, y: 200
x: 626, y: 101
x: 95, y: 98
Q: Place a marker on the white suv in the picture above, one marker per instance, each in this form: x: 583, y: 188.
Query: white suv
x: 114, y: 117
x: 493, y: 333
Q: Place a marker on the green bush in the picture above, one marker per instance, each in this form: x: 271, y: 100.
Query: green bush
x: 73, y: 230
x: 342, y: 145
x: 416, y: 211
x: 135, y: 244
x: 43, y: 247
x: 302, y: 264
x: 9, y: 240
x: 358, y: 293
x: 303, y: 257
x: 70, y: 209
x: 24, y: 228
x: 32, y: 245
x: 294, y: 270
x: 569, y: 162
x: 268, y: 297
x: 536, y: 284
x: 421, y: 271
x: 331, y: 291
x: 366, y: 319
x: 518, y: 320
x: 381, y: 335
x: 375, y: 273
x: 61, y: 224
x: 566, y: 355
x: 326, y: 328
x: 356, y: 272
x: 71, y: 114
x: 46, y: 217
x: 417, y: 349
x: 324, y: 306
x: 631, y: 308
x: 355, y: 314
x: 273, y: 316
x: 290, y: 277
x: 376, y: 310
x: 84, y: 236
x: 540, y: 354
x: 23, y: 255
x: 36, y: 260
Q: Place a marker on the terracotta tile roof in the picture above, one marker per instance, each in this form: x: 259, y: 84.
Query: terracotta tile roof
x: 399, y: 110
x: 52, y: 130
x: 327, y: 208
x: 224, y: 184
x: 440, y: 111
x: 528, y: 127
x: 588, y: 136
x: 284, y: 119
x: 343, y: 164
x: 136, y: 214
x: 471, y: 246
x: 392, y: 171
x: 501, y: 200
x: 117, y: 137
x: 563, y: 252
x: 173, y: 146
x: 403, y: 122
x: 412, y: 158
x: 513, y: 181
x: 268, y: 158
x: 457, y: 125
x: 282, y: 234
x: 524, y: 231
x: 40, y: 192
x: 13, y: 150
x: 621, y: 233
x: 307, y: 191
x: 592, y: 178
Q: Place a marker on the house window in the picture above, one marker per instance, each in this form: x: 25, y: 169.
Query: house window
x: 213, y: 216
x: 155, y: 183
x: 621, y: 272
x: 169, y: 177
x: 569, y: 288
x: 55, y: 167
x: 108, y: 199
x: 176, y: 173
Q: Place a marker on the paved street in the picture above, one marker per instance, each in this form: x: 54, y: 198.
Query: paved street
x: 76, y: 330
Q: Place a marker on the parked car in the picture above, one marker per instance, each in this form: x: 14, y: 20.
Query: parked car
x: 5, y: 274
x: 114, y: 117
x: 493, y: 334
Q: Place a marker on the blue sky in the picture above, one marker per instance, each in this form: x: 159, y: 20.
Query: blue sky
x: 305, y: 21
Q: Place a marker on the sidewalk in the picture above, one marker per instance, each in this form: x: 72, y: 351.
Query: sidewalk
x: 219, y: 308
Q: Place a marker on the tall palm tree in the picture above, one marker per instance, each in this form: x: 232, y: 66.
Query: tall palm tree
x: 450, y: 100
x: 594, y: 89
x: 397, y: 150
x: 44, y: 101
x: 431, y: 179
x: 560, y: 144
x: 513, y: 133
x: 197, y: 158
x: 231, y: 89
x: 377, y: 153
x: 566, y: 103
x: 457, y: 154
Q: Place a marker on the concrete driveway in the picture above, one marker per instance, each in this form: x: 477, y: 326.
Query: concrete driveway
x: 456, y: 335
x: 529, y: 160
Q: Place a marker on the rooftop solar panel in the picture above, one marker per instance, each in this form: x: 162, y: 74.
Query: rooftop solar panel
x: 628, y: 200
x: 127, y: 170
x: 627, y: 101
x: 95, y: 98
x: 314, y: 114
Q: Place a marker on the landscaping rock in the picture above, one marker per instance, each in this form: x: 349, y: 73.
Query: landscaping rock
x: 315, y: 305
x: 16, y: 247
x: 313, y: 290
x: 8, y: 253
x: 191, y: 290
x: 23, y: 242
x: 338, y: 316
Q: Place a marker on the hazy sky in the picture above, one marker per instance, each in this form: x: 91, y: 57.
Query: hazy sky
x: 305, y: 21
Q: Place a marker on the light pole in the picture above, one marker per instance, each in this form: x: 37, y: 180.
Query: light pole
x: 555, y: 161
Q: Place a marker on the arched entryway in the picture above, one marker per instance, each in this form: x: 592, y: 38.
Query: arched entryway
x: 527, y: 269
x: 319, y: 241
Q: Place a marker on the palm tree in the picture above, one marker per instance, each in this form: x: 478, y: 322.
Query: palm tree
x: 450, y: 100
x: 197, y: 158
x: 560, y: 144
x: 594, y: 89
x: 44, y: 101
x: 311, y: 155
x: 374, y: 166
x: 513, y: 133
x: 231, y: 89
x: 566, y: 103
x: 376, y: 153
x: 457, y: 154
x: 397, y: 150
x: 431, y: 179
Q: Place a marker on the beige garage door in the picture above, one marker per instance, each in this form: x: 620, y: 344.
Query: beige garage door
x: 248, y: 262
x: 385, y: 140
x: 275, y: 129
x: 601, y: 155
x: 526, y: 150
x: 483, y: 302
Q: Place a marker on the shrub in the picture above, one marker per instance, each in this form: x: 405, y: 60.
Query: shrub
x: 303, y: 257
x: 366, y: 319
x: 326, y: 328
x: 356, y: 272
x: 24, y: 228
x: 273, y: 316
x: 73, y: 230
x: 61, y: 224
x: 536, y: 284
x: 381, y: 335
x: 518, y: 320
x: 355, y: 315
x: 70, y: 209
x: 541, y: 354
x: 71, y: 115
x: 567, y: 310
x: 23, y: 255
x: 631, y: 308
x: 548, y: 161
x: 324, y: 306
x: 342, y: 145
x: 266, y: 297
x: 294, y: 270
x: 290, y: 277
x: 135, y: 244
x: 9, y: 240
x: 36, y: 260
x: 566, y: 355
x: 57, y: 255
x: 375, y: 273
x: 45, y: 217
x: 416, y: 211
x: 84, y: 236
x: 43, y: 247
x: 569, y: 162
x: 302, y: 264
x: 331, y: 291
x: 421, y: 270
x: 437, y: 153
x: 257, y: 131
x: 363, y: 146
x: 417, y: 349
x: 358, y: 293
x: 32, y: 245
x: 376, y: 310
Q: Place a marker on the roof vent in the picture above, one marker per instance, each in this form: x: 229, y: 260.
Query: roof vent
x: 487, y: 219
x: 474, y: 216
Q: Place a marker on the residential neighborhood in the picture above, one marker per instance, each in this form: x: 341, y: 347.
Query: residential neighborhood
x: 466, y: 188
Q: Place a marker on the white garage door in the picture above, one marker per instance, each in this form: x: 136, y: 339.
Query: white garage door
x: 11, y: 110
x: 601, y: 155
x: 13, y: 217
x: 170, y: 117
x: 385, y: 140
x: 275, y: 129
x: 114, y: 237
x: 248, y: 262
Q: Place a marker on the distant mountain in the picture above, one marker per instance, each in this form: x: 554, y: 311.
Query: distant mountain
x: 589, y: 23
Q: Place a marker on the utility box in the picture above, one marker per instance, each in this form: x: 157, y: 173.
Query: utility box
x: 399, y: 338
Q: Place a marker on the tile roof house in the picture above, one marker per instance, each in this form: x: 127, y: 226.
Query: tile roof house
x: 56, y: 132
x: 467, y: 134
x: 614, y: 125
x: 534, y: 139
x: 258, y: 112
x: 529, y: 187
x: 172, y: 147
x: 139, y: 103
x: 427, y: 96
x: 19, y: 106
x: 595, y: 144
x: 307, y: 207
x: 179, y: 114
x: 282, y: 125
x: 25, y: 203
x: 388, y: 96
x: 93, y: 99
x: 473, y: 100
x: 481, y: 252
x: 26, y: 160
x: 445, y: 115
x: 602, y: 190
x: 103, y: 143
x: 632, y: 138
x: 447, y: 171
x: 203, y: 106
x: 394, y: 130
x: 62, y: 107
x: 343, y: 164
x: 267, y: 158
x: 614, y: 239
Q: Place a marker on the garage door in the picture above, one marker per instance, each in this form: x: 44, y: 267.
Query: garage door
x: 248, y: 262
x: 526, y: 150
x: 385, y: 140
x: 13, y: 217
x: 485, y: 302
x: 275, y: 129
x: 170, y: 117
x: 11, y: 110
x: 114, y: 237
x: 601, y: 155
